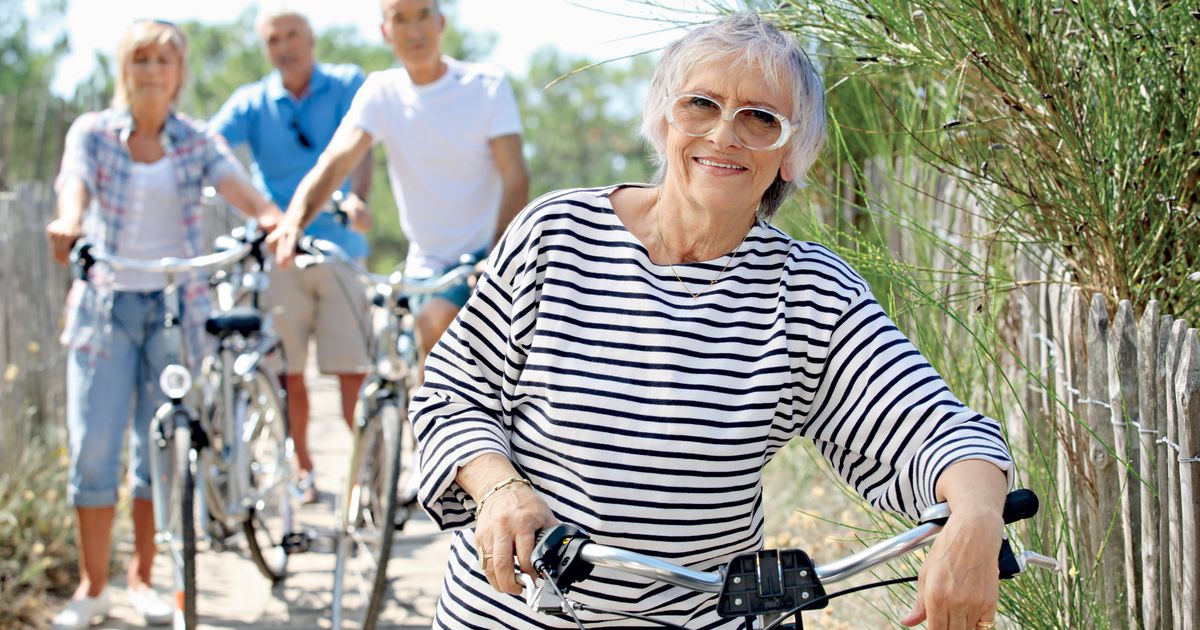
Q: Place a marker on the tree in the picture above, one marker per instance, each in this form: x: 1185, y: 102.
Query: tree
x: 30, y: 138
x: 24, y: 67
x: 581, y: 121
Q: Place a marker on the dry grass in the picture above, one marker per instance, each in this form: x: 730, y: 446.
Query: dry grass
x: 808, y: 508
x: 37, y: 551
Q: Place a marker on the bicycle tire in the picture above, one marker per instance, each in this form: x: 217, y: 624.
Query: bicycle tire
x: 187, y: 617
x: 269, y: 521
x: 370, y: 501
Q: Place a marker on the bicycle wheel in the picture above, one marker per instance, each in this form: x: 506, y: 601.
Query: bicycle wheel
x: 187, y: 523
x: 367, y: 521
x: 179, y: 488
x: 267, y: 439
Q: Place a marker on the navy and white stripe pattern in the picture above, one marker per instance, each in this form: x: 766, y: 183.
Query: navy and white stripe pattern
x: 645, y: 416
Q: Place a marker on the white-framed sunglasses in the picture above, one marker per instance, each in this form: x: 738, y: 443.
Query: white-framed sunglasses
x: 756, y: 128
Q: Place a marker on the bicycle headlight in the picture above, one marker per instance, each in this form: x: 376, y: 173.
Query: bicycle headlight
x: 390, y: 368
x: 257, y: 282
x: 175, y: 381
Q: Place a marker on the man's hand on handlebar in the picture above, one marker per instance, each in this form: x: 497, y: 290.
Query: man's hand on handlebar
x: 357, y: 214
x: 282, y: 241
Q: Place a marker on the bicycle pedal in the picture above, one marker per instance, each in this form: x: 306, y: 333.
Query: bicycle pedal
x: 404, y: 512
x: 297, y: 542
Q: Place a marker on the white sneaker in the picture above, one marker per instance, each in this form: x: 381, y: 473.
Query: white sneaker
x: 82, y: 613
x: 151, y: 606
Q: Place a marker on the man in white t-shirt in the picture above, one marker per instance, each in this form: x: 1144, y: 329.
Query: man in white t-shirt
x: 451, y: 132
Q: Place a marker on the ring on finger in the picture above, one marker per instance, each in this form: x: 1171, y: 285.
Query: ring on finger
x: 985, y: 625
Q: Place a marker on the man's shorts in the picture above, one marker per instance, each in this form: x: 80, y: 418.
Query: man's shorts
x: 327, y: 301
x: 456, y: 293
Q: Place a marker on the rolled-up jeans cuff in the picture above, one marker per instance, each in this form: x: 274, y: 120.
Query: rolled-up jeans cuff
x: 142, y: 490
x: 94, y: 497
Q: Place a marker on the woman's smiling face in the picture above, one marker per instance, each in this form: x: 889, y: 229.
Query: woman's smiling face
x: 714, y: 171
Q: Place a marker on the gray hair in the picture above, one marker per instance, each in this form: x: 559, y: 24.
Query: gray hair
x: 437, y: 9
x: 753, y: 43
x: 273, y: 11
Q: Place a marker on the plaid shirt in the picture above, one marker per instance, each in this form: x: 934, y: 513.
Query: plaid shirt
x: 97, y: 153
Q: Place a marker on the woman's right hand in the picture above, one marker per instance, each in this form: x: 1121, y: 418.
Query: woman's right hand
x: 62, y: 234
x: 507, y: 527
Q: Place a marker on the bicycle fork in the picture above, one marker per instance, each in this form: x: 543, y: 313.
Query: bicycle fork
x: 173, y: 451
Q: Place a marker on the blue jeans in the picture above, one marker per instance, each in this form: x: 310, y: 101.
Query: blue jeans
x: 100, y: 397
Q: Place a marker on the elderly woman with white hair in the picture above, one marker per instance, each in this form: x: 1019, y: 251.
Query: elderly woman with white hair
x: 635, y: 354
x: 131, y: 183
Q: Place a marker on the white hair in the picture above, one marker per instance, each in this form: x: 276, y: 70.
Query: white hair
x: 271, y: 11
x: 749, y: 42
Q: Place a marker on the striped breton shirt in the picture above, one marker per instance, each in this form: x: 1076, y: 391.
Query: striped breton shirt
x: 645, y: 416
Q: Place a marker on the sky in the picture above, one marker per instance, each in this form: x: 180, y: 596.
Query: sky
x: 597, y: 29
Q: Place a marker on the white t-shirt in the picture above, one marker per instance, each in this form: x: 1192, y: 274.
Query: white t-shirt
x: 154, y: 224
x: 439, y: 158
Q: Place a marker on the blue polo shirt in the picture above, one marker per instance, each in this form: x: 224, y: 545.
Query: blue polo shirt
x: 265, y: 116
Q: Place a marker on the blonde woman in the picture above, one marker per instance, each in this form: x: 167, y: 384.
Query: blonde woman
x: 130, y: 183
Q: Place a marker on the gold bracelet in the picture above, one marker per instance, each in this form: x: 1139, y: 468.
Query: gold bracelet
x: 496, y: 488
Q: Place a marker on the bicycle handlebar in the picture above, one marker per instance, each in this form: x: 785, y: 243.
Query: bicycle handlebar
x: 84, y: 255
x: 319, y: 251
x: 566, y: 555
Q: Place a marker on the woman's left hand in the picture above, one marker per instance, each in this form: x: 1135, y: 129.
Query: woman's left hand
x: 959, y: 582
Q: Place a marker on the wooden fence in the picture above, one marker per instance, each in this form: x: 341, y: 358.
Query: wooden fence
x: 1106, y: 404
x: 32, y: 292
x: 1119, y: 398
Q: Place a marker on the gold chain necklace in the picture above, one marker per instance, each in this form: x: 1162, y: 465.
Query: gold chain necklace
x: 663, y: 243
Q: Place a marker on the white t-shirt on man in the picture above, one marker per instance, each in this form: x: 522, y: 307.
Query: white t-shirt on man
x: 439, y: 158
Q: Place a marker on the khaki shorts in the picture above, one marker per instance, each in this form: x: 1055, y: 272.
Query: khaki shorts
x: 326, y: 301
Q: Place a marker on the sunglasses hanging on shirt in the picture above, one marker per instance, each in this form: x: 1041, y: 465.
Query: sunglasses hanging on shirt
x: 300, y: 137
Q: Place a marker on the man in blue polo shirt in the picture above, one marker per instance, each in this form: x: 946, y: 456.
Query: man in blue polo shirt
x: 286, y: 119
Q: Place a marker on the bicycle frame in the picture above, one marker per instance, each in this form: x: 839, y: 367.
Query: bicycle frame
x: 236, y: 364
x: 382, y: 408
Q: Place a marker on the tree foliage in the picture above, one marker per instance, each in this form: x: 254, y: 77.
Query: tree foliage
x: 581, y: 121
x: 23, y: 64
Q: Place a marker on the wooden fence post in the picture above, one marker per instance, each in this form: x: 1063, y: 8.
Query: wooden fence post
x: 1151, y: 489
x: 1085, y: 478
x: 1099, y: 420
x: 1174, y: 515
x: 1069, y: 537
x: 1161, y: 373
x: 1124, y: 413
x: 1187, y: 399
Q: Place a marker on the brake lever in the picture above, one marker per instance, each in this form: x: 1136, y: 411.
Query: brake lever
x: 538, y: 597
x: 1033, y: 558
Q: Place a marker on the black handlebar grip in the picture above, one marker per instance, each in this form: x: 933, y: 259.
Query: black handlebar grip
x: 305, y: 245
x: 1020, y: 505
x: 82, y: 259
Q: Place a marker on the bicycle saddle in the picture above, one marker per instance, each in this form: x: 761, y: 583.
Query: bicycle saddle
x: 242, y: 320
